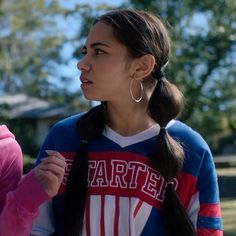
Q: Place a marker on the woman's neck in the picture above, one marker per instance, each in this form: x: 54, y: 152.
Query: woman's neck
x: 128, y: 120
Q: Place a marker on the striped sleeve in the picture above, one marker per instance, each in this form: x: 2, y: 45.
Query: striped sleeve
x: 209, y: 221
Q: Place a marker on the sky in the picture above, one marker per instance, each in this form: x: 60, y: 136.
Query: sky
x: 71, y: 3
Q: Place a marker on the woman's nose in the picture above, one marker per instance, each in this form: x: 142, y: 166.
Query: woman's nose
x: 83, y: 64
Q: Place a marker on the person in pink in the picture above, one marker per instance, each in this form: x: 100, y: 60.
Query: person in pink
x: 10, y: 163
x: 20, y: 199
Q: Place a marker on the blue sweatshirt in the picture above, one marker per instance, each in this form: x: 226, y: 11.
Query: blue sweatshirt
x: 125, y: 192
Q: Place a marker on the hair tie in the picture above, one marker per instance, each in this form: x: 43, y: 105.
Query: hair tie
x: 158, y: 75
x: 163, y: 127
x: 169, y: 185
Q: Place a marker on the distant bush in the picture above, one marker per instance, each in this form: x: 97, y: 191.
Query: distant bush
x: 28, y: 163
x: 226, y: 145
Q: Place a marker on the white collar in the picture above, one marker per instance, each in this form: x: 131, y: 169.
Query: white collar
x: 125, y: 141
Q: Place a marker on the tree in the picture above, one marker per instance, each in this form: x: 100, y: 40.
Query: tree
x: 24, y: 49
x: 203, y: 59
x: 31, y: 47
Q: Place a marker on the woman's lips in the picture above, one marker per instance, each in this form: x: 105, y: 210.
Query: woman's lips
x: 85, y: 82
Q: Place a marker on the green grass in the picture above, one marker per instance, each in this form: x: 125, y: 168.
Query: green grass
x: 228, y: 207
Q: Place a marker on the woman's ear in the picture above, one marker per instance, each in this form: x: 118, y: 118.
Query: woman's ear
x: 144, y: 66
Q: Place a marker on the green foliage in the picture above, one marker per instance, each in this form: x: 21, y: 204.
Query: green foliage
x: 4, y: 109
x: 30, y: 50
x: 28, y: 163
x: 25, y: 134
x: 25, y: 48
x: 203, y: 61
x: 86, y: 17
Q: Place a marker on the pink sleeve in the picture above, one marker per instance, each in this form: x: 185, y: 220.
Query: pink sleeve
x: 22, y: 207
x: 10, y: 167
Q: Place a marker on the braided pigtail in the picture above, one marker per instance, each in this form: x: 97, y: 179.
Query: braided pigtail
x: 89, y: 126
x: 165, y: 104
x: 177, y: 220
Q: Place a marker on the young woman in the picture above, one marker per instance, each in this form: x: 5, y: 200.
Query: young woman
x: 132, y: 168
x: 20, y: 199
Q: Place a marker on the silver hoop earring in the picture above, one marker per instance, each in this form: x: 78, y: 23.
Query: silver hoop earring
x: 131, y: 92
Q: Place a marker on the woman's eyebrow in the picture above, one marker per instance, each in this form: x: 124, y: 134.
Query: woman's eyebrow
x: 96, y: 44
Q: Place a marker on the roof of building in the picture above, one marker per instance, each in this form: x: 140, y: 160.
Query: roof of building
x: 24, y: 106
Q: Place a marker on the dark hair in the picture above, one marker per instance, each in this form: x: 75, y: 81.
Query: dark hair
x: 142, y: 33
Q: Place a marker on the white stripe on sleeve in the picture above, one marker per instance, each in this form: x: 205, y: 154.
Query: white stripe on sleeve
x: 43, y: 224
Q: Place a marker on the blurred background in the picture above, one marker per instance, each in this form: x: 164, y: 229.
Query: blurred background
x: 40, y: 44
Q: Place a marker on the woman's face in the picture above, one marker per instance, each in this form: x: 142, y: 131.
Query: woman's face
x: 105, y: 70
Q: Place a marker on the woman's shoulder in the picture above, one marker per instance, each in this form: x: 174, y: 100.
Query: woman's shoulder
x: 62, y: 136
x: 67, y: 124
x: 197, y: 152
x: 188, y: 137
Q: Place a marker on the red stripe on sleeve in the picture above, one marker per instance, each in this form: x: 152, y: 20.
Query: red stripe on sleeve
x: 209, y: 232
x: 210, y: 210
x: 186, y: 187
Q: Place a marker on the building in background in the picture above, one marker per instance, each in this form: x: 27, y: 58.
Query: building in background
x: 30, y: 118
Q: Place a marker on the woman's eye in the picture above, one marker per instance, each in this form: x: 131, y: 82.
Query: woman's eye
x: 98, y: 51
x: 84, y: 52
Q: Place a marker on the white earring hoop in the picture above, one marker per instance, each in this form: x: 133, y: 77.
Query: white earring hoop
x: 131, y: 92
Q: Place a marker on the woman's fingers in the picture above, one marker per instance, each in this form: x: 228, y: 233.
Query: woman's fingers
x: 54, y: 160
x: 50, y: 172
x: 57, y: 170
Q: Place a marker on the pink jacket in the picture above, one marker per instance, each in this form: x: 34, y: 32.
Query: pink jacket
x: 22, y: 207
x: 10, y: 163
x: 19, y: 201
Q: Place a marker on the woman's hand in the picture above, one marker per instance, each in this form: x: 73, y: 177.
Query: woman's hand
x: 50, y: 172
